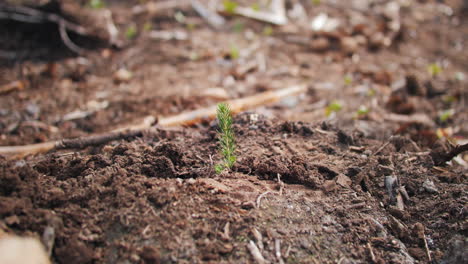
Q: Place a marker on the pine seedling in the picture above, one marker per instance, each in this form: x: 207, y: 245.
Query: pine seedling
x: 227, y: 143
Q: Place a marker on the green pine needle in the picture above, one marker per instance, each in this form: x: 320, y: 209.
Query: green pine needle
x: 227, y: 143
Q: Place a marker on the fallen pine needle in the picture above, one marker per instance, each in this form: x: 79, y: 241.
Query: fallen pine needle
x: 183, y: 119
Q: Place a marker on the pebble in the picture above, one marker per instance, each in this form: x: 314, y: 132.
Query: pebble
x: 430, y: 187
x: 123, y: 75
x: 349, y: 44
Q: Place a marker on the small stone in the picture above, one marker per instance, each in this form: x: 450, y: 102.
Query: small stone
x: 417, y: 253
x: 13, y: 248
x: 329, y: 186
x: 150, y: 254
x: 320, y: 44
x: 123, y: 75
x: 429, y: 186
x: 248, y: 205
x: 343, y: 180
x: 225, y: 248
x: 349, y: 44
x: 214, y: 185
x: 33, y: 109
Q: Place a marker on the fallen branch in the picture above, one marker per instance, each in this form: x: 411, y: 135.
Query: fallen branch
x: 31, y: 15
x: 187, y: 118
x: 440, y: 157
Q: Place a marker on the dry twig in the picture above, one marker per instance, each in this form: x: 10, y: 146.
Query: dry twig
x: 278, y: 251
x: 211, y: 17
x: 259, y: 199
x: 440, y: 157
x: 31, y: 15
x: 428, y: 253
x: 277, y: 17
x: 371, y: 252
x: 255, y: 252
x: 187, y: 118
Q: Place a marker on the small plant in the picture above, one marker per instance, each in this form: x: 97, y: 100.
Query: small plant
x: 267, y: 31
x: 446, y: 115
x: 234, y: 52
x: 371, y: 92
x: 97, y: 4
x: 315, y: 2
x: 229, y: 6
x: 238, y: 27
x: 131, y: 32
x: 255, y: 7
x: 147, y: 26
x: 434, y: 69
x: 348, y: 79
x: 227, y: 144
x: 449, y: 99
x: 333, y: 107
x: 362, y: 112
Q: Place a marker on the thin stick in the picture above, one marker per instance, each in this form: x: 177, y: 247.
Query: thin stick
x: 371, y: 252
x: 67, y: 41
x: 259, y: 199
x: 278, y: 251
x: 31, y: 15
x: 255, y: 252
x: 258, y: 237
x: 187, y: 118
x: 383, y: 146
x: 440, y: 157
x: 428, y: 253
x: 78, y: 143
x: 211, y: 17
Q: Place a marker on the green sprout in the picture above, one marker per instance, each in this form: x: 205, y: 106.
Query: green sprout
x: 267, y: 31
x: 255, y: 7
x: 348, y: 79
x: 238, y: 27
x: 333, y: 107
x: 362, y: 111
x: 229, y: 6
x: 227, y: 143
x: 445, y: 115
x: 131, y: 32
x: 371, y: 92
x: 448, y: 99
x: 147, y: 26
x: 97, y: 4
x: 190, y: 26
x: 434, y: 69
x: 234, y: 52
x: 315, y: 2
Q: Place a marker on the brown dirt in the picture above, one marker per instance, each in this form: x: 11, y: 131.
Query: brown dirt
x: 312, y: 183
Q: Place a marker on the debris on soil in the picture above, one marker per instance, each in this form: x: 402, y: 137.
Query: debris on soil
x: 353, y: 149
